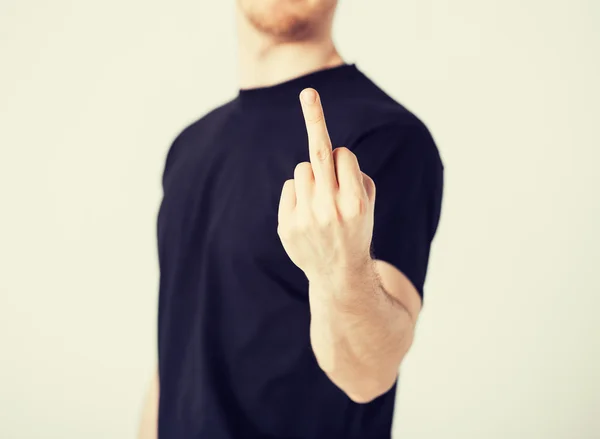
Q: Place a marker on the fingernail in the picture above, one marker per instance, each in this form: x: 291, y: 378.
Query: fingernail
x: 309, y: 96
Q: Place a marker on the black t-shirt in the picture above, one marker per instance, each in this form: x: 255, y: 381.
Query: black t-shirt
x: 235, y: 359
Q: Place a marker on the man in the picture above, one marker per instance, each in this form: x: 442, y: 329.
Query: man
x: 288, y: 295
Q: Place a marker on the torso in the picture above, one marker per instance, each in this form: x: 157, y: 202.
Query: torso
x: 234, y: 317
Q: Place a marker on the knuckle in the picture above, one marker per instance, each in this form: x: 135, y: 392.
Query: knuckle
x: 302, y: 168
x: 355, y: 206
x: 288, y: 185
x: 315, y: 118
x: 304, y: 223
x: 345, y: 157
x: 323, y: 153
x: 343, y: 151
x: 324, y: 221
x: 370, y: 186
x: 326, y: 215
x: 299, y: 166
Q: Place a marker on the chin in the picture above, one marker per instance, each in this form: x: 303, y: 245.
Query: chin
x: 288, y: 19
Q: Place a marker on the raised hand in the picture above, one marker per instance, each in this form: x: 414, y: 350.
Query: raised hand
x: 326, y: 210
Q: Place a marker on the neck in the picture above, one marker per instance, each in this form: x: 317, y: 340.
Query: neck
x: 263, y: 61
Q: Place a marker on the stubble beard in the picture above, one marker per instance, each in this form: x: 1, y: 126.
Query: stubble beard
x: 286, y: 26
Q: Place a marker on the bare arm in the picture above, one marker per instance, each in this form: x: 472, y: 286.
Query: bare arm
x: 362, y: 325
x: 363, y: 311
x: 149, y: 420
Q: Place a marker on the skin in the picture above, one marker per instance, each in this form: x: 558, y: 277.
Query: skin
x: 282, y: 39
x: 363, y: 311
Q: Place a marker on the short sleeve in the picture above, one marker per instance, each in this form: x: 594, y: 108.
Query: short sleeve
x: 404, y: 162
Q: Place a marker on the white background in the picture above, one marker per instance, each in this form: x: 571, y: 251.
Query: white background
x: 91, y: 95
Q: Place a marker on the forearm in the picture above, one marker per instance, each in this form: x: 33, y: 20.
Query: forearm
x: 359, y: 332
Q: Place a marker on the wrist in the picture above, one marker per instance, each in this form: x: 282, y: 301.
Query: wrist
x: 343, y: 276
x: 348, y: 288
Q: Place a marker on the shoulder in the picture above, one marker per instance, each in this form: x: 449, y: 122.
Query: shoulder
x: 207, y: 122
x: 371, y: 122
x: 393, y: 145
x: 198, y: 128
x: 395, y: 140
